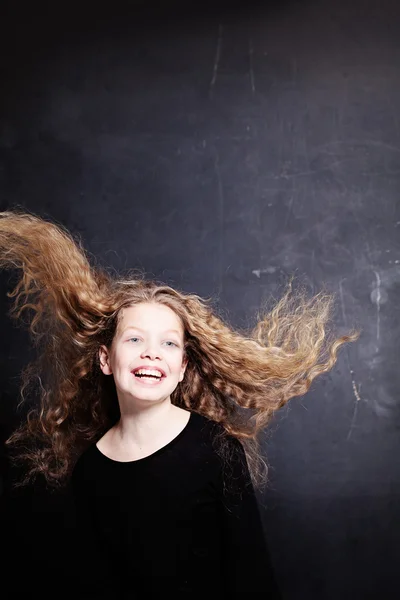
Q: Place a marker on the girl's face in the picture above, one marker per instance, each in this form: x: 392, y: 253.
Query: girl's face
x: 147, y: 356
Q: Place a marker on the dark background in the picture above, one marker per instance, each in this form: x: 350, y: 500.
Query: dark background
x: 222, y: 147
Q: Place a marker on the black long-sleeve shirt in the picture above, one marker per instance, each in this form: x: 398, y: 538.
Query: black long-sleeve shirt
x: 179, y: 521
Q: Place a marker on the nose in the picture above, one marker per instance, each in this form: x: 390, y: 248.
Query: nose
x: 151, y: 353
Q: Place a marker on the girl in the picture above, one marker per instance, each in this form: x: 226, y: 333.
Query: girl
x: 152, y: 406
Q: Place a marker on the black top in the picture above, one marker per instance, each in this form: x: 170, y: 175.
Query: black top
x: 177, y: 521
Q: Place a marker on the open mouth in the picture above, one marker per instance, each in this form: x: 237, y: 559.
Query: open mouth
x: 148, y: 375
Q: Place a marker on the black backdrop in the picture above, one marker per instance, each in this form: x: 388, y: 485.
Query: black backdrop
x: 222, y: 147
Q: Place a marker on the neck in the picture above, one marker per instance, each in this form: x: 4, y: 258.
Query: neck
x: 147, y: 423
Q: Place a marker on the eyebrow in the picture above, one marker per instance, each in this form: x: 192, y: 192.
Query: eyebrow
x: 143, y: 331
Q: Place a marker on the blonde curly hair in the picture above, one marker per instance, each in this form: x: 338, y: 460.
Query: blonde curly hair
x: 236, y: 379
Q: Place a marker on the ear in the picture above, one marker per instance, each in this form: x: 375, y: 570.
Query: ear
x: 183, y: 368
x: 104, y: 357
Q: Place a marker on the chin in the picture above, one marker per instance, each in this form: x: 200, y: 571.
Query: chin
x: 150, y: 398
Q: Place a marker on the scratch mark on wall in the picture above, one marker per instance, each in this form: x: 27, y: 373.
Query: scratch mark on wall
x: 355, y: 411
x: 294, y: 71
x: 353, y: 383
x: 216, y: 61
x: 251, y: 69
x: 221, y: 202
x: 378, y: 305
x: 287, y: 176
x: 268, y: 270
x: 342, y: 301
x: 312, y: 270
x: 289, y: 211
x: 360, y: 142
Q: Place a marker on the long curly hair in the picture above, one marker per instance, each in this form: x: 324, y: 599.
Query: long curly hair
x: 238, y: 379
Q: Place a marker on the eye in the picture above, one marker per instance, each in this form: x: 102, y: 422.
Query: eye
x: 171, y: 344
x: 134, y: 340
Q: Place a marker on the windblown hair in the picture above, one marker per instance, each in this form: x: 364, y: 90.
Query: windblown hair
x: 236, y: 379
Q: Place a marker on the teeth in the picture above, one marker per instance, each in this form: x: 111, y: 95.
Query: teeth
x: 150, y: 372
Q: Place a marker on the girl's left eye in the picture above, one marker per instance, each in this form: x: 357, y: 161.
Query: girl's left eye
x: 169, y: 343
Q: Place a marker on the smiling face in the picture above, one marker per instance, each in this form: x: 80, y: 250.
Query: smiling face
x: 146, y: 356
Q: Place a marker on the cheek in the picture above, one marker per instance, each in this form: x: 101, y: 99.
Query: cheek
x: 178, y: 365
x: 121, y: 358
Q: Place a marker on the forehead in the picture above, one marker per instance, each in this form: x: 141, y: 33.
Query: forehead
x: 150, y: 316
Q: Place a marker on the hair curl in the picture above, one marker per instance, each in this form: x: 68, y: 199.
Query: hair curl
x: 236, y: 379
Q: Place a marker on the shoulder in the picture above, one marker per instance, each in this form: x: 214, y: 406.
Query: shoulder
x: 211, y: 432
x: 226, y: 448
x: 85, y: 463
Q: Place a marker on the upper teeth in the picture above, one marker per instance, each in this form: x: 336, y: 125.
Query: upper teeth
x: 149, y: 372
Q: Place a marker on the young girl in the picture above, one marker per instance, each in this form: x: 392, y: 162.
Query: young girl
x: 151, y: 406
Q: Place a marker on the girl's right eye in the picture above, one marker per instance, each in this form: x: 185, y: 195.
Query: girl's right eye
x: 133, y: 339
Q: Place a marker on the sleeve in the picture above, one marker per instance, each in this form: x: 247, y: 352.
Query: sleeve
x: 246, y: 561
